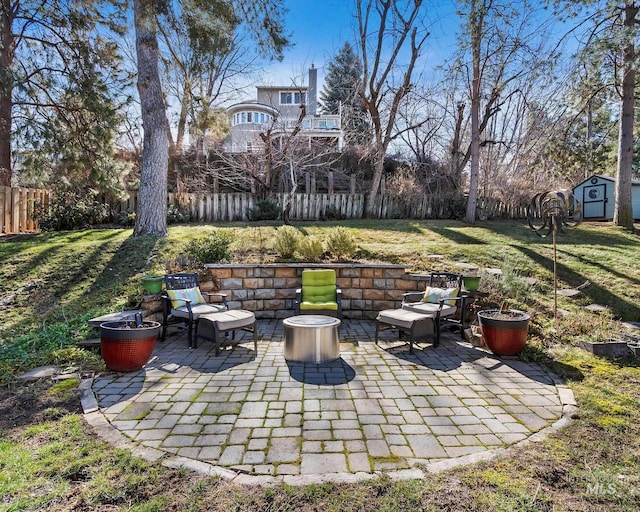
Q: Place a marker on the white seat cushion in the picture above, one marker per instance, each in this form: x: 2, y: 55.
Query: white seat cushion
x: 400, y: 317
x: 230, y: 320
x: 198, y: 310
x: 429, y: 308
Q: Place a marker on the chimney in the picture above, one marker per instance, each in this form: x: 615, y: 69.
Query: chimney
x: 312, y: 92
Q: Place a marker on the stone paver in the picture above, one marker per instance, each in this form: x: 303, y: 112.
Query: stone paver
x: 377, y: 408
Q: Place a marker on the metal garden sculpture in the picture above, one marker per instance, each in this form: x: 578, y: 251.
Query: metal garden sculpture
x: 551, y: 211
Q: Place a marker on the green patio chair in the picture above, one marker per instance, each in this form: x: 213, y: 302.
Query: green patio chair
x: 319, y: 294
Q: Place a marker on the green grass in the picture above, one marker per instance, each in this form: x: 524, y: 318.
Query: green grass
x: 51, y: 283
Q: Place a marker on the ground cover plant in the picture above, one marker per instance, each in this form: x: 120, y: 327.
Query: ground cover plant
x: 51, y: 283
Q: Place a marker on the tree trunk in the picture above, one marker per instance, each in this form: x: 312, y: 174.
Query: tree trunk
x: 623, y: 210
x: 6, y: 90
x: 456, y: 167
x: 476, y: 39
x: 151, y: 216
x: 377, y: 178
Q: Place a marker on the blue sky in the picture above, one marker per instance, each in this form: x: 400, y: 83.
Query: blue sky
x: 319, y: 28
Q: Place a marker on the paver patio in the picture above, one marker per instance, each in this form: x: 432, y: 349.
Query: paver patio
x: 259, y: 418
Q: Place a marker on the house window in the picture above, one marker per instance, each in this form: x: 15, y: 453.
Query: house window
x: 244, y: 117
x: 286, y: 98
x: 262, y: 118
x: 292, y: 98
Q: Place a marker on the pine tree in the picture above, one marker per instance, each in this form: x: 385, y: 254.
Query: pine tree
x: 47, y: 47
x: 340, y: 94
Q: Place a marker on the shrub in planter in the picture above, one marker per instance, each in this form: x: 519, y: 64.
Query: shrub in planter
x: 212, y: 248
x: 286, y: 241
x: 310, y: 248
x: 341, y: 243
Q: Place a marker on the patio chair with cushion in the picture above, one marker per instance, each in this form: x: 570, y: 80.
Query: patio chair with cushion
x: 442, y: 300
x: 319, y: 294
x: 184, y: 302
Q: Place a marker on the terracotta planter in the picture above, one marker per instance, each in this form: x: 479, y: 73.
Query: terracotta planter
x: 505, y: 333
x: 152, y: 284
x: 125, y: 348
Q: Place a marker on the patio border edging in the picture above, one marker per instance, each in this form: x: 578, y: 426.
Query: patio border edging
x: 108, y: 433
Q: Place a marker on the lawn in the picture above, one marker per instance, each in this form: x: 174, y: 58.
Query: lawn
x: 51, y: 283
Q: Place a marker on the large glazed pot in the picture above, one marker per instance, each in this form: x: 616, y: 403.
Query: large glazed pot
x: 471, y: 283
x: 505, y: 332
x: 152, y: 284
x: 125, y: 347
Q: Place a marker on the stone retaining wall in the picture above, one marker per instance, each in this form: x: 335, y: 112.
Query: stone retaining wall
x: 269, y: 290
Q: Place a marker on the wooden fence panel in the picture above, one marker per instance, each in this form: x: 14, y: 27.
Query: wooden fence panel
x: 17, y: 207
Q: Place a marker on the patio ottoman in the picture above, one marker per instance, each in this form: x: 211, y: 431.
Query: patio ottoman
x: 214, y: 326
x: 418, y: 327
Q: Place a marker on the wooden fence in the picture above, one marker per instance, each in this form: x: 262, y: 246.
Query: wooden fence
x: 234, y: 207
x: 17, y: 207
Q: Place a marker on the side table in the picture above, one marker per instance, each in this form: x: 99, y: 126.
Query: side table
x: 311, y: 338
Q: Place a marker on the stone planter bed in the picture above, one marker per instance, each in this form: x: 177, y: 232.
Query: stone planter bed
x: 269, y: 289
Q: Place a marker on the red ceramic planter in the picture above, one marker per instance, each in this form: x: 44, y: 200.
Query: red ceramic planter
x: 505, y: 334
x: 126, y: 349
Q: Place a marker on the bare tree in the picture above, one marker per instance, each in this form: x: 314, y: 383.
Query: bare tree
x: 388, y: 31
x: 419, y: 123
x: 200, y: 73
x: 506, y: 49
x: 151, y: 214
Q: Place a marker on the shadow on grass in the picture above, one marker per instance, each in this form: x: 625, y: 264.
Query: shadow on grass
x: 621, y: 307
x: 584, y: 234
x: 455, y: 236
x: 609, y: 269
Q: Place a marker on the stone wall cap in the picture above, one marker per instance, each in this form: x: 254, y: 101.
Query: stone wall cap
x: 303, y: 265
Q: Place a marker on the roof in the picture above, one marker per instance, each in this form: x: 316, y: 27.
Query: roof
x: 282, y: 87
x: 606, y: 178
x: 253, y: 104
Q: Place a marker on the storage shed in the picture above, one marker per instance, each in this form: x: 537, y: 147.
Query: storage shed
x: 597, y: 195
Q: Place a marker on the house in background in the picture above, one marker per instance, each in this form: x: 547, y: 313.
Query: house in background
x: 597, y: 195
x: 278, y: 108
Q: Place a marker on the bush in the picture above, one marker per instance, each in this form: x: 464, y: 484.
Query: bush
x: 175, y: 215
x: 310, y: 248
x: 70, y: 210
x: 212, y: 248
x: 286, y: 242
x: 264, y: 210
x: 340, y: 243
x: 332, y: 212
x: 126, y: 218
